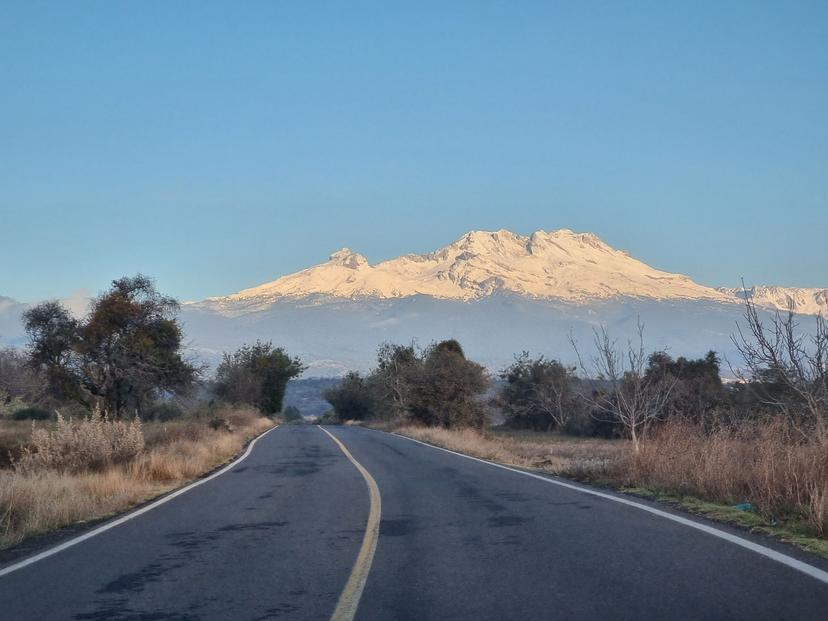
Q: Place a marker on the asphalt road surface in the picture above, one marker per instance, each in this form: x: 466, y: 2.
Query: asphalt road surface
x: 285, y: 532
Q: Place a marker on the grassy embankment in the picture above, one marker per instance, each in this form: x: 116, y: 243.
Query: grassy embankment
x: 81, y: 471
x: 782, y: 476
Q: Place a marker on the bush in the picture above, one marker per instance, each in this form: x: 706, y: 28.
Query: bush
x: 329, y: 418
x: 240, y: 417
x: 438, y: 387
x: 291, y: 414
x: 32, y: 414
x: 77, y: 445
x: 447, y: 388
x: 257, y: 375
x: 537, y: 393
x: 352, y: 399
x: 163, y: 412
x: 217, y: 423
x: 582, y: 422
x: 19, y: 382
x: 10, y: 404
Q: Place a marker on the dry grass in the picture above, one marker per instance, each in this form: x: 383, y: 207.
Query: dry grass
x: 39, y: 500
x: 81, y: 444
x: 554, y: 453
x: 14, y: 435
x: 767, y: 464
x: 706, y: 471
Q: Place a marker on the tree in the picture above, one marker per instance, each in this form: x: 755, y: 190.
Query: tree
x: 621, y: 387
x: 352, y: 398
x: 538, y: 393
x: 19, y: 380
x: 257, y: 374
x: 698, y: 383
x: 446, y: 389
x: 291, y: 414
x: 396, y: 366
x: 788, y: 368
x: 123, y: 355
x: 436, y: 387
x: 53, y: 339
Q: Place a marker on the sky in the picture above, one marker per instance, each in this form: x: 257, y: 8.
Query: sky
x: 216, y: 146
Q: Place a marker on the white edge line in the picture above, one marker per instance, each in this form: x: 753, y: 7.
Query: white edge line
x: 770, y: 553
x: 134, y: 514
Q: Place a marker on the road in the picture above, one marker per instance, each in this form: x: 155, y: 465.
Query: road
x: 278, y: 536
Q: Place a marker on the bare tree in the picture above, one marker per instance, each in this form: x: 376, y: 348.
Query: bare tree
x: 790, y: 364
x: 551, y: 399
x: 621, y: 388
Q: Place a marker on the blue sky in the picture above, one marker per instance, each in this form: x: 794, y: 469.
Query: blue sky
x: 215, y: 146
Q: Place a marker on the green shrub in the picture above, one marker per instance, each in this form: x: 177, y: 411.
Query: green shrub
x: 352, y: 398
x: 10, y: 404
x: 257, y: 375
x: 32, y: 413
x: 291, y: 414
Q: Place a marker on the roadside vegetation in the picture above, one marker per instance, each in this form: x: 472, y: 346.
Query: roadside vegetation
x: 752, y: 451
x: 104, y: 412
x: 435, y: 387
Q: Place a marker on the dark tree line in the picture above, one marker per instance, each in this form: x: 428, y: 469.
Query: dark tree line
x: 438, y: 386
x: 622, y: 390
x: 622, y: 396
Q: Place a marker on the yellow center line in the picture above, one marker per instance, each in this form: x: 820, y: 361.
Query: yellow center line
x: 349, y: 599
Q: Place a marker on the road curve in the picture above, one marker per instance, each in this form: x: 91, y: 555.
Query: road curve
x: 461, y: 539
x: 274, y: 537
x: 279, y: 534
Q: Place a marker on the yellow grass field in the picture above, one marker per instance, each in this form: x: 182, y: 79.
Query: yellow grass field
x: 34, y: 501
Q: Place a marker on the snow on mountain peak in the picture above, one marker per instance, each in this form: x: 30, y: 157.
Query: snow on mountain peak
x: 809, y: 301
x: 348, y: 258
x: 558, y: 264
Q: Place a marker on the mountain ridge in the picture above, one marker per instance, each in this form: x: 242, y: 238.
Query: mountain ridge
x: 498, y: 293
x: 546, y: 265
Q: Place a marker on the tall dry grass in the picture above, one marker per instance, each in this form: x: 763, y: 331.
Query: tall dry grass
x: 46, y: 494
x: 14, y: 436
x: 767, y: 464
x: 554, y: 453
x: 81, y: 444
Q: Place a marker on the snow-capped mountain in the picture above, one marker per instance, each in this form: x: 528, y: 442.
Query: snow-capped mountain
x: 497, y: 292
x: 806, y: 301
x: 558, y: 265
